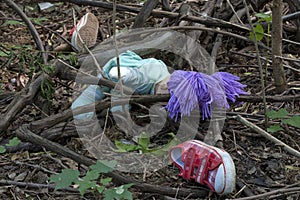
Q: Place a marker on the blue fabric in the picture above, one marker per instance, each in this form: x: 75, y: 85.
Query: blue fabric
x: 145, y: 73
x: 90, y: 95
x: 143, y: 76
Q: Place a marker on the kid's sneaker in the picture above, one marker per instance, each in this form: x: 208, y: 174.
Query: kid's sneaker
x: 87, y: 27
x: 205, y: 164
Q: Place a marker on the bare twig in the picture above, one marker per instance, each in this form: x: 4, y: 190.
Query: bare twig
x: 267, y: 194
x: 268, y: 136
x: 25, y: 134
x: 29, y: 92
x: 20, y: 101
x: 234, y: 12
x: 144, y: 13
x: 206, y: 20
x: 31, y: 28
x: 258, y: 60
x: 35, y: 185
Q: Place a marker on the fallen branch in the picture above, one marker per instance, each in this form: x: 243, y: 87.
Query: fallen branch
x: 106, y: 103
x: 31, y: 28
x: 25, y: 97
x: 267, y: 194
x: 144, y: 13
x: 208, y: 21
x: 20, y: 101
x: 268, y: 136
x: 35, y: 185
x: 25, y: 134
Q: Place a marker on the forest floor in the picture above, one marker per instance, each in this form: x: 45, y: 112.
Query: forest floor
x: 261, y: 165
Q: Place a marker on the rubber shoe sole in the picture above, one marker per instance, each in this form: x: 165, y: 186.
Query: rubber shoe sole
x: 87, y: 29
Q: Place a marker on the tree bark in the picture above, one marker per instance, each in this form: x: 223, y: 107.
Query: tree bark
x: 278, y: 72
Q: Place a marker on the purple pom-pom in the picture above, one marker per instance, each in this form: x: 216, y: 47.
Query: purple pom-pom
x: 197, y: 91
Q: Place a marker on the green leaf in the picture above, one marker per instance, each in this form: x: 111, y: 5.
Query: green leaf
x: 259, y: 31
x: 105, y: 181
x: 40, y: 20
x: 3, y: 54
x: 264, y: 16
x: 274, y: 128
x: 11, y: 22
x: 280, y: 114
x: 293, y: 121
x: 100, y: 189
x: 91, y: 175
x: 118, y: 193
x: 104, y: 166
x: 13, y: 142
x: 84, y: 185
x: 65, y: 178
x: 122, y: 147
x: 2, y: 149
x: 144, y: 141
x: 248, y: 73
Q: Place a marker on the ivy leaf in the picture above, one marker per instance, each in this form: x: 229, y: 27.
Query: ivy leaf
x: 272, y: 114
x: 144, y: 141
x: 100, y: 188
x: 2, y: 149
x: 13, y: 142
x: 91, y: 175
x: 65, y: 178
x: 274, y: 128
x: 84, y: 185
x: 105, y: 181
x: 118, y: 193
x: 104, y: 166
x: 293, y: 121
x: 122, y: 147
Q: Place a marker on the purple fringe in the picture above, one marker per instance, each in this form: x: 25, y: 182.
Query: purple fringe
x: 197, y: 91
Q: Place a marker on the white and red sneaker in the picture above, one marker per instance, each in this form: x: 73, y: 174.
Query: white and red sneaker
x: 87, y: 27
x: 205, y: 164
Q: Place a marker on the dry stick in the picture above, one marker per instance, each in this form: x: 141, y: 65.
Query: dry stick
x: 85, y: 78
x: 206, y: 20
x: 144, y: 13
x: 34, y: 185
x: 116, y: 45
x: 234, y: 12
x: 191, y: 28
x: 23, y: 99
x: 25, y: 134
x: 31, y: 28
x: 20, y: 101
x: 117, y: 52
x: 101, y: 105
x: 268, y: 136
x: 270, y: 61
x: 258, y: 60
x: 106, y: 103
x: 42, y: 26
x: 265, y: 195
